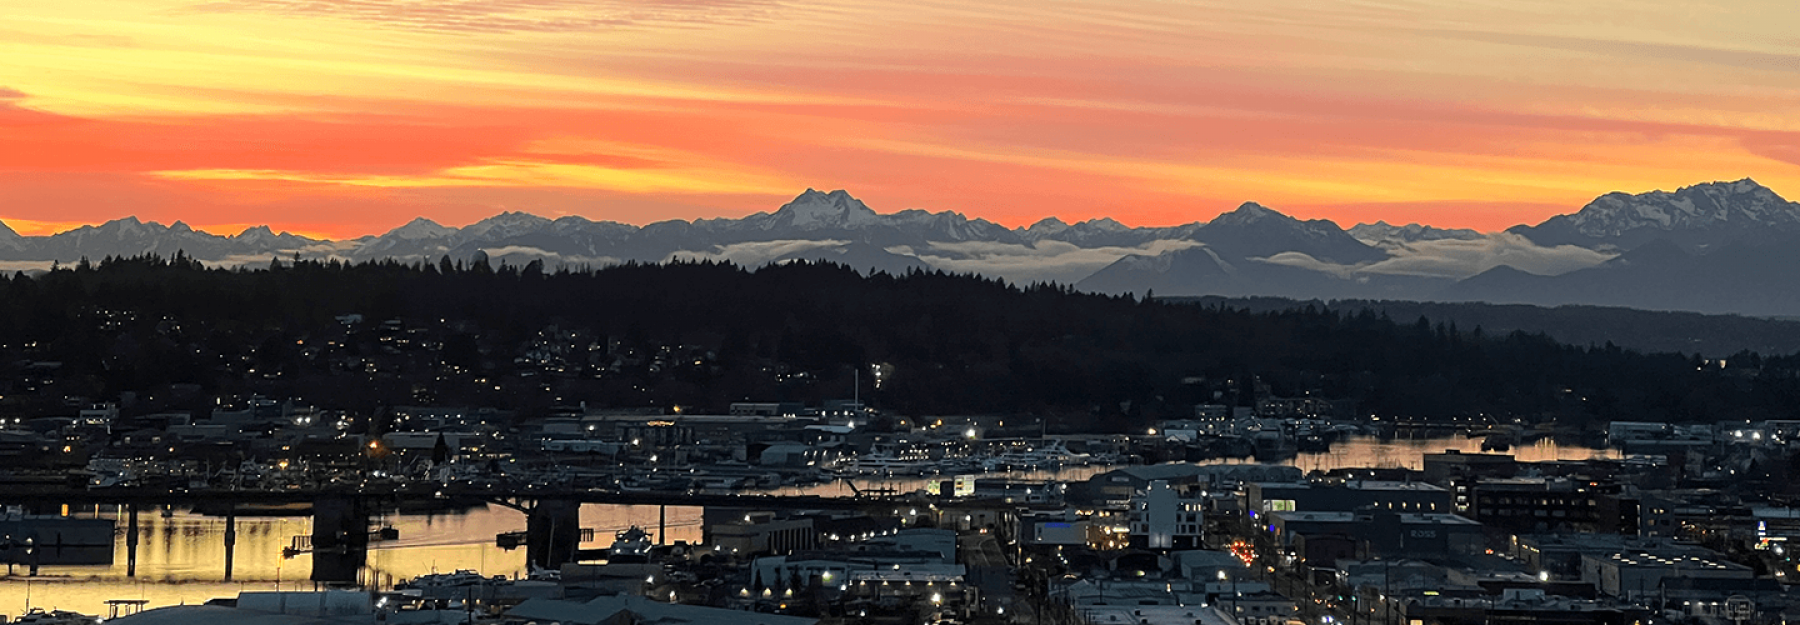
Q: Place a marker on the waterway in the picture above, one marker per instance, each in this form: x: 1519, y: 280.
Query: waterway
x: 181, y: 557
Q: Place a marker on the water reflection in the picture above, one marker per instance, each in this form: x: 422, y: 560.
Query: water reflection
x: 1368, y: 451
x: 181, y: 557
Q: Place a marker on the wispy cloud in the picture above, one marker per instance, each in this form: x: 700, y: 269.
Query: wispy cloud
x: 755, y: 253
x: 521, y: 254
x: 1458, y: 258
x: 1046, y: 261
x: 506, y: 16
x: 630, y: 177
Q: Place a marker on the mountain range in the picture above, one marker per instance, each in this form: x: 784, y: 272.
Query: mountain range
x: 1717, y: 247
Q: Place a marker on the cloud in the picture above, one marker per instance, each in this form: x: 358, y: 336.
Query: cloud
x: 10, y: 267
x: 322, y: 251
x: 505, y: 16
x: 1306, y: 261
x: 1046, y: 261
x: 1458, y: 258
x: 9, y: 106
x: 514, y: 253
x: 1638, y: 50
x: 754, y: 253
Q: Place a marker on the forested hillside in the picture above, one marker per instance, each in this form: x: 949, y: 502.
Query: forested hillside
x: 178, y: 335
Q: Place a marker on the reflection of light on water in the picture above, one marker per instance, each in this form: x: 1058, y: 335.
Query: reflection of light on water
x: 181, y: 559
x: 1369, y: 451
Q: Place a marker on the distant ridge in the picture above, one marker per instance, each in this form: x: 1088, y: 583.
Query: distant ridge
x: 1715, y: 336
x: 1718, y: 247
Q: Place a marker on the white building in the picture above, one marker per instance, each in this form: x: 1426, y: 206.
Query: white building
x: 1161, y: 518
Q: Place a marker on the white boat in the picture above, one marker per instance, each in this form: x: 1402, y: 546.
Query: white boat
x: 886, y: 460
x: 1051, y: 455
x: 541, y: 574
x: 631, y: 545
x: 460, y: 578
x: 880, y: 463
x: 37, y: 616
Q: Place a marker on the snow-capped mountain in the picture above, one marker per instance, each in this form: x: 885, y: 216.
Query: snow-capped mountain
x: 421, y: 228
x: 1380, y: 233
x: 1704, y: 247
x: 1102, y: 232
x: 9, y: 240
x: 1253, y: 250
x: 131, y: 237
x: 502, y: 226
x: 1255, y: 231
x: 811, y: 217
x: 1695, y: 217
x: 814, y: 210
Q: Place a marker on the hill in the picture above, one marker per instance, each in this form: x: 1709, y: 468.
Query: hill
x: 177, y: 335
x: 1710, y: 336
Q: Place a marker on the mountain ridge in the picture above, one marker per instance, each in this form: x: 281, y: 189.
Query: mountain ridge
x: 1669, y: 244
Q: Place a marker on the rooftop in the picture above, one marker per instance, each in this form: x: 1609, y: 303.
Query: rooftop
x: 1680, y: 562
x: 1438, y: 518
x: 604, y: 609
x: 1316, y: 517
x: 1392, y: 485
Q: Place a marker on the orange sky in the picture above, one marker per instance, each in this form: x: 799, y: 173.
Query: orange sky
x: 347, y: 117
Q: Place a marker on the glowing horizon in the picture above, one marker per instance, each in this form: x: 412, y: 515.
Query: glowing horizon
x: 340, y: 118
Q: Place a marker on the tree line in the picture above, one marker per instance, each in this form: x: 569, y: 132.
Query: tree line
x: 707, y: 333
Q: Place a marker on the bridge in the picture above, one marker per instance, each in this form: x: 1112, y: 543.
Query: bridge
x: 153, y: 496
x: 339, y: 542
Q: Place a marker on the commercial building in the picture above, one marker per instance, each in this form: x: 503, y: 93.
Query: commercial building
x: 1161, y: 518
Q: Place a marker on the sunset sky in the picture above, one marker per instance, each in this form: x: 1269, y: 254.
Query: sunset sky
x: 348, y: 117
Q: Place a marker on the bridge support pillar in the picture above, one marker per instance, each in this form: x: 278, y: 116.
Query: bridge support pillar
x: 552, y: 533
x: 131, y: 540
x: 340, y: 538
x: 230, y: 540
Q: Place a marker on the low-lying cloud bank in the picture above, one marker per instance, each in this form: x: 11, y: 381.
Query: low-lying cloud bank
x: 755, y: 253
x: 1046, y: 261
x: 1043, y: 261
x: 1459, y: 258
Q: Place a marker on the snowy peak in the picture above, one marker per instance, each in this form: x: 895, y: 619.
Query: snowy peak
x: 1381, y: 232
x: 1106, y: 223
x: 251, y: 237
x: 813, y: 210
x: 504, y: 225
x: 1256, y: 231
x: 126, y: 226
x: 420, y: 228
x: 1100, y: 232
x: 1698, y: 218
x: 1044, y: 227
x: 261, y: 238
x: 1250, y: 213
x: 1735, y: 205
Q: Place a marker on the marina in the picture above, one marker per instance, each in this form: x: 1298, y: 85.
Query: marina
x: 182, y: 554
